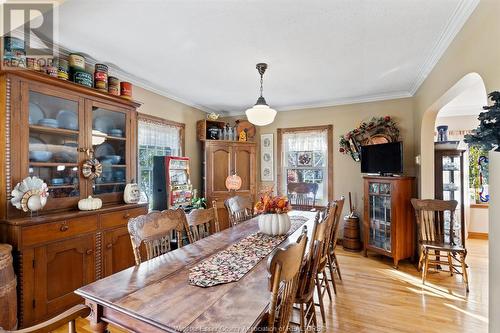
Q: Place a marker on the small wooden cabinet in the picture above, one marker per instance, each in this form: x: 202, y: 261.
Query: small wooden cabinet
x: 222, y: 159
x: 388, y: 216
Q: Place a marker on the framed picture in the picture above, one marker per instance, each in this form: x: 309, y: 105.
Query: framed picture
x: 305, y: 158
x: 266, y: 158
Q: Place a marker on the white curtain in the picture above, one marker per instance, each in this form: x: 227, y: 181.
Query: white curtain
x: 306, y: 141
x: 156, y: 134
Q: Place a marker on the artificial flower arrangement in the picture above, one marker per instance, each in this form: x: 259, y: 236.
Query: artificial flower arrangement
x: 269, y: 204
x: 350, y: 142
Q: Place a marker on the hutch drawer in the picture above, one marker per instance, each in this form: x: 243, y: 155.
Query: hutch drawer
x: 58, y: 230
x: 120, y: 218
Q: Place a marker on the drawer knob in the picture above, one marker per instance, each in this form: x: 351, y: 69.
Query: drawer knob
x: 89, y: 251
x: 64, y: 227
x: 109, y: 245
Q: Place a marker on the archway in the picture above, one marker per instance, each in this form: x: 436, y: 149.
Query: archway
x: 427, y: 131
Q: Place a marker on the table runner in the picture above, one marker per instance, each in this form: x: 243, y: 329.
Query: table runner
x: 233, y: 263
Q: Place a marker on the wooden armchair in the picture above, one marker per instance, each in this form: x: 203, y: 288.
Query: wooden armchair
x: 430, y: 217
x: 239, y: 209
x: 199, y: 221
x: 283, y: 266
x: 155, y: 231
x: 67, y: 317
x: 302, y: 196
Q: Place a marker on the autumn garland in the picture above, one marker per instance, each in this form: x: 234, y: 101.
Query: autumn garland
x: 386, y: 123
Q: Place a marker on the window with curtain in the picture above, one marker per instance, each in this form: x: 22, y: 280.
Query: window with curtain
x: 305, y: 157
x: 156, y: 137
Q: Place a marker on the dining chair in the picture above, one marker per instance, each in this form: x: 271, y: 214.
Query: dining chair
x: 156, y: 230
x: 67, y: 317
x: 431, y: 217
x: 333, y: 264
x: 283, y: 266
x: 322, y: 233
x: 239, y: 209
x: 302, y: 196
x: 199, y: 221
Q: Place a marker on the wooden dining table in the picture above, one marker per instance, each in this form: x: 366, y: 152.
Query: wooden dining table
x: 156, y: 296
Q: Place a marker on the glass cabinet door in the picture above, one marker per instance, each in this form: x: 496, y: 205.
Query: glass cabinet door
x: 452, y: 188
x: 379, y: 197
x: 54, y: 138
x: 109, y: 143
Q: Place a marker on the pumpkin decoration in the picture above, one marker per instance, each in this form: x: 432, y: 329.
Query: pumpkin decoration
x: 131, y: 194
x: 89, y: 203
x: 233, y: 182
x: 92, y: 168
x: 30, y: 194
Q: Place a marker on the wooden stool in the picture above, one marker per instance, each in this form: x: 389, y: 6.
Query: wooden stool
x: 8, y: 283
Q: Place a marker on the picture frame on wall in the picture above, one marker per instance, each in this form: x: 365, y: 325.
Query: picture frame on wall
x: 267, y: 157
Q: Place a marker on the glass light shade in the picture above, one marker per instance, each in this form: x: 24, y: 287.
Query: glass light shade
x: 260, y: 114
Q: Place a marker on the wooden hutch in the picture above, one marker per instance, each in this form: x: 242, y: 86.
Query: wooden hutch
x: 222, y: 158
x: 388, y: 221
x: 61, y: 248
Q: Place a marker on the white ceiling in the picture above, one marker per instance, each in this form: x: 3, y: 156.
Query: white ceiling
x: 320, y: 53
x: 468, y: 103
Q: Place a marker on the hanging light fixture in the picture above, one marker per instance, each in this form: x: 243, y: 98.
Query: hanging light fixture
x: 261, y: 114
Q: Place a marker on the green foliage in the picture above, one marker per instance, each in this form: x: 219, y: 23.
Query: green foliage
x: 487, y: 135
x: 199, y: 203
x: 474, y: 153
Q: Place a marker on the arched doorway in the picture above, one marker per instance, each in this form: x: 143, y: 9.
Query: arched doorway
x: 469, y: 81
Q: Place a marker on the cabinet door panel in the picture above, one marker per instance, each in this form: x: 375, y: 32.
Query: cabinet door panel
x: 219, y: 164
x: 60, y: 269
x: 244, y: 166
x: 118, y: 253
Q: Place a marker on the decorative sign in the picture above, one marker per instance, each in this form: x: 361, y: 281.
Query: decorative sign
x: 233, y: 182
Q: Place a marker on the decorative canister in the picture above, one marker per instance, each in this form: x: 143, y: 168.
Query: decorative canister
x: 113, y: 85
x: 13, y: 43
x: 83, y: 78
x: 126, y: 89
x: 32, y: 63
x: 76, y: 61
x: 274, y: 224
x: 51, y: 70
x: 442, y: 133
x: 62, y: 69
x: 101, y: 77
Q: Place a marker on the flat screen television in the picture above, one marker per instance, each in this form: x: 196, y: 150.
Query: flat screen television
x: 384, y: 159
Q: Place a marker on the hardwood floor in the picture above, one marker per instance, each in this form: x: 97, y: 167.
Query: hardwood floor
x: 374, y: 297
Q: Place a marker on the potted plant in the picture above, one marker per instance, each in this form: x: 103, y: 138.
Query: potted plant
x: 273, y: 218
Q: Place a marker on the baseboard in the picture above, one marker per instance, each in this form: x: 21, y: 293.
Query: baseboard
x: 477, y: 235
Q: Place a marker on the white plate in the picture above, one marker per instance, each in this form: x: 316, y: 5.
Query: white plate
x: 103, y: 150
x: 67, y: 119
x: 37, y: 144
x: 36, y: 113
x: 104, y: 124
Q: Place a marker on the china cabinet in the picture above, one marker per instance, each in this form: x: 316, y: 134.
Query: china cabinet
x: 48, y: 129
x: 449, y: 185
x: 388, y: 216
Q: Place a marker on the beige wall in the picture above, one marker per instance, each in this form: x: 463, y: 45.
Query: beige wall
x: 346, y: 172
x: 157, y: 105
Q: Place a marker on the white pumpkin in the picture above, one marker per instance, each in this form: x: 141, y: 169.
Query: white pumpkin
x: 274, y: 224
x: 131, y: 194
x: 89, y: 203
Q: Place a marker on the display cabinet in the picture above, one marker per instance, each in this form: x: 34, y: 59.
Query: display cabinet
x: 388, y: 216
x: 449, y: 185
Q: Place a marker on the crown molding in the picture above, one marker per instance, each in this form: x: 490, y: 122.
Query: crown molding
x: 452, y: 28
x: 337, y: 102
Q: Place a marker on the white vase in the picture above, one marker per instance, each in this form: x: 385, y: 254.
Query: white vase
x: 274, y: 224
x: 494, y: 238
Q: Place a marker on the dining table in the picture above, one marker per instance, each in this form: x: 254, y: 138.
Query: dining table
x: 156, y: 295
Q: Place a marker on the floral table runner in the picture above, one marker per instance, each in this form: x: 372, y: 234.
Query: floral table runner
x: 234, y: 262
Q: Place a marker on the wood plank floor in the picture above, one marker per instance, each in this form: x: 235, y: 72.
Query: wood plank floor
x: 374, y: 297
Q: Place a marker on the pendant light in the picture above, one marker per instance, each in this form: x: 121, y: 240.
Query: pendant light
x: 261, y: 114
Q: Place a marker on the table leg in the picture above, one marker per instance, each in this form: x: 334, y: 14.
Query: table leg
x: 97, y: 325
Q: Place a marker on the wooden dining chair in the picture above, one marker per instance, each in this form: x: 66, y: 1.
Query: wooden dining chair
x: 239, y: 208
x: 302, y: 196
x: 283, y: 266
x: 430, y: 218
x: 156, y: 230
x: 67, y: 317
x: 199, y: 221
x: 333, y: 264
